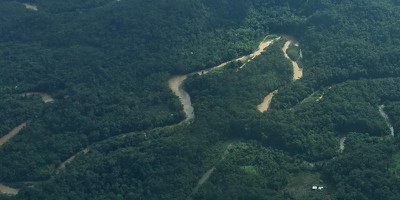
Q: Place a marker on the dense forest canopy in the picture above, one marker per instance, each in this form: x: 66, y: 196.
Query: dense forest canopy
x: 112, y: 128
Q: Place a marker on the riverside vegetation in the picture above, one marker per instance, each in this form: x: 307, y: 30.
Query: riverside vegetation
x: 107, y: 64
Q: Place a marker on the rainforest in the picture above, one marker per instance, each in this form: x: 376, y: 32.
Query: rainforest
x: 199, y: 99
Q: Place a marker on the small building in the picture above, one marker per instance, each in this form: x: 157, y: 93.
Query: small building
x: 314, y: 187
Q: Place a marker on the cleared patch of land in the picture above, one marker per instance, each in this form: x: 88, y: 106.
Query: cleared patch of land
x: 8, y: 190
x: 300, y: 187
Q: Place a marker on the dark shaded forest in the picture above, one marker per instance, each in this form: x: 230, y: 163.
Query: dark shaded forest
x: 107, y: 64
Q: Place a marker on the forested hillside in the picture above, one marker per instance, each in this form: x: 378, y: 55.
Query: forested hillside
x: 89, y: 85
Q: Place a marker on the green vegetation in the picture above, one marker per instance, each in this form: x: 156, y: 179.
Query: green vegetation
x: 299, y: 187
x: 107, y: 65
x: 395, y: 168
x: 294, y: 52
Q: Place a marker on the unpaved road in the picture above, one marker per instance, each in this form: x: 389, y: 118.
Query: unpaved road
x: 297, y: 74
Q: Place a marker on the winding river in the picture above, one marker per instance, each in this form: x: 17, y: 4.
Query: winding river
x: 176, y: 85
x: 342, y: 144
x: 297, y: 71
x: 176, y: 82
x: 297, y: 74
x: 30, y: 6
